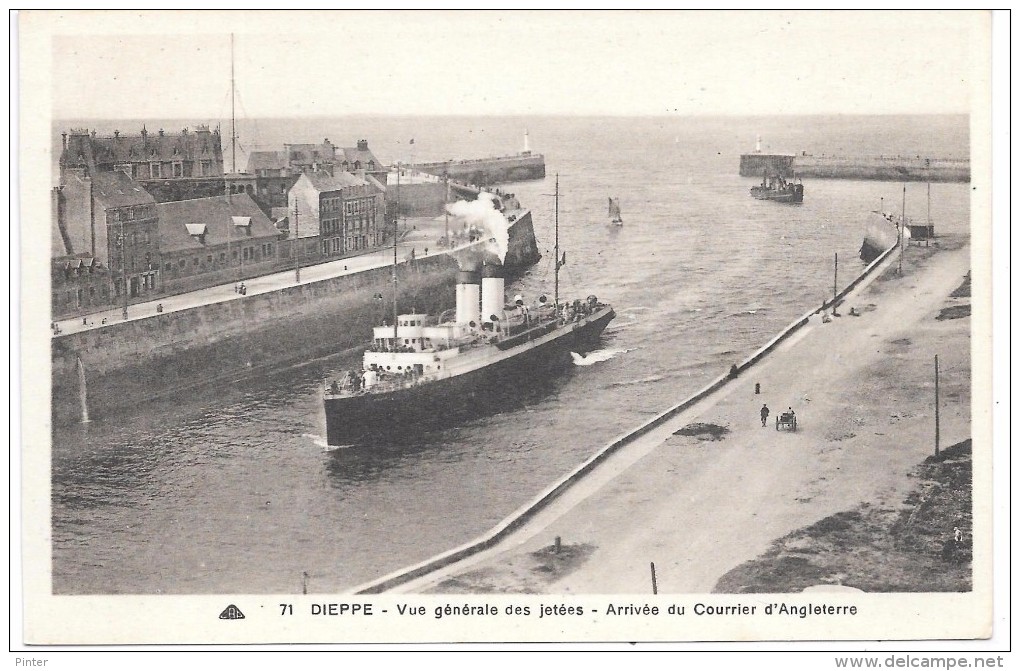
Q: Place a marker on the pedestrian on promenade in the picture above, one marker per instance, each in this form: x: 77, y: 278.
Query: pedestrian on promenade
x: 764, y: 414
x: 159, y: 307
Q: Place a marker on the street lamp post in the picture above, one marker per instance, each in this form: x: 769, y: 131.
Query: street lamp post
x: 122, y: 246
x: 297, y: 246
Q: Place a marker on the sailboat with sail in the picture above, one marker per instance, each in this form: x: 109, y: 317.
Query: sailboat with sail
x: 615, y: 218
x: 424, y: 371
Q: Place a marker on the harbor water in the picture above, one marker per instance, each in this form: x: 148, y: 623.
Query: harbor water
x: 232, y: 489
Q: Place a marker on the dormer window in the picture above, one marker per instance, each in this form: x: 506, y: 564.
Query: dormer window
x: 197, y: 232
x: 242, y: 225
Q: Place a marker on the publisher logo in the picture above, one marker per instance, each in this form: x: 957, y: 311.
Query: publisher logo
x: 231, y: 612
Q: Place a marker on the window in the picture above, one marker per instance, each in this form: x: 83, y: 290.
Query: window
x: 182, y: 263
x: 269, y: 249
x: 178, y: 169
x: 154, y: 170
x: 245, y: 253
x: 208, y: 259
x: 223, y: 257
x: 194, y: 261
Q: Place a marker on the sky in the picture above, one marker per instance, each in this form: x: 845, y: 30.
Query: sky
x: 177, y: 64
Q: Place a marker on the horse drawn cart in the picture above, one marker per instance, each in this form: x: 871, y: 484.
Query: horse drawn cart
x: 786, y: 420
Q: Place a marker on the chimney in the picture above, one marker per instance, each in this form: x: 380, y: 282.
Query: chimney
x: 493, y: 296
x: 63, y: 137
x: 468, y: 296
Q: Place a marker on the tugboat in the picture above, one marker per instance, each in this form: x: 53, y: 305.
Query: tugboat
x: 775, y: 187
x: 424, y: 371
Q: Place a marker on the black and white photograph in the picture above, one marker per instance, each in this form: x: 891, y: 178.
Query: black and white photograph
x: 515, y: 326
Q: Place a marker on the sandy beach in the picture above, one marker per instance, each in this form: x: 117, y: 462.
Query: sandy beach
x: 702, y: 500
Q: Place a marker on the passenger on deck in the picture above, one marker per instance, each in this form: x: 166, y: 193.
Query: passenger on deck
x: 370, y: 378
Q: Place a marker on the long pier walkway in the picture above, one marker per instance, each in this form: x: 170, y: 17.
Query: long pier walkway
x: 418, y: 241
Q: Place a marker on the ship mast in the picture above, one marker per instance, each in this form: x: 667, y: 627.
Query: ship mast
x: 395, y: 215
x: 556, y: 248
x: 233, y: 95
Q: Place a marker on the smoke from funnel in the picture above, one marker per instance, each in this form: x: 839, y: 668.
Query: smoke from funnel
x: 482, y: 214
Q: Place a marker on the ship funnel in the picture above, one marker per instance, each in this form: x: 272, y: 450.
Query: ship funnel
x: 468, y: 296
x: 493, y: 296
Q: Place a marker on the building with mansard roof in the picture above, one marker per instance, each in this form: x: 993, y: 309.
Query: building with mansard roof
x: 171, y: 166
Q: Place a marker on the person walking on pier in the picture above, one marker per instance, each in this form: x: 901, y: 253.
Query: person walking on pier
x: 764, y: 414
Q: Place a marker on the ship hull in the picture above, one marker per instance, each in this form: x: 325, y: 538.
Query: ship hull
x: 412, y: 410
x: 879, y: 235
x: 794, y: 196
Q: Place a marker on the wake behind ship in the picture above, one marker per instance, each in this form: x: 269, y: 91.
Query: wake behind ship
x: 423, y: 372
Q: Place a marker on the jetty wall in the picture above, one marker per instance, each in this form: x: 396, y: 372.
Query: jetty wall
x: 128, y: 363
x: 894, y: 168
x: 759, y: 165
x: 554, y: 491
x: 485, y: 171
x: 416, y: 200
x: 886, y: 168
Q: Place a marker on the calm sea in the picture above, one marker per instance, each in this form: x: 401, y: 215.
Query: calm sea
x: 233, y: 490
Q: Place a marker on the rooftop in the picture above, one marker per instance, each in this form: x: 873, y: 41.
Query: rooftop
x: 188, y: 225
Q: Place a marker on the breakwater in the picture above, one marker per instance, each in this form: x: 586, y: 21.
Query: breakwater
x: 125, y: 364
x: 883, y: 168
x: 485, y: 171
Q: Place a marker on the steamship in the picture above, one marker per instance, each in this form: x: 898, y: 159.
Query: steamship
x: 423, y: 371
x: 774, y: 187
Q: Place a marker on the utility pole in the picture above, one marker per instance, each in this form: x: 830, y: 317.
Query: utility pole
x: 446, y: 178
x: 927, y: 170
x: 835, y: 275
x: 937, y: 428
x: 297, y: 245
x: 903, y: 225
